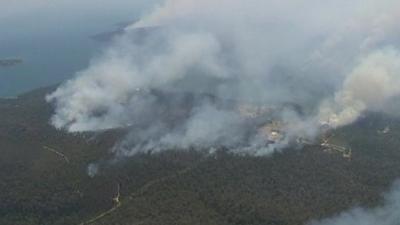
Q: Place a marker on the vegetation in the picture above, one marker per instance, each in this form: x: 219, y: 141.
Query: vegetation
x: 39, y: 186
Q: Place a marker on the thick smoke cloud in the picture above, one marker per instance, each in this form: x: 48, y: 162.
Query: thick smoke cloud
x: 373, y: 82
x: 208, y: 73
x: 387, y: 214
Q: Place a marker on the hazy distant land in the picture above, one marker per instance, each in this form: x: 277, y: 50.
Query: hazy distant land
x: 10, y: 62
x: 138, y: 33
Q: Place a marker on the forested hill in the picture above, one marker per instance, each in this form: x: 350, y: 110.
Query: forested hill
x: 44, y: 181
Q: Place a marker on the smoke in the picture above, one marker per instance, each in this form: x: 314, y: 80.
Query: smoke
x: 387, y: 214
x: 252, y: 76
x: 371, y: 84
x: 92, y: 170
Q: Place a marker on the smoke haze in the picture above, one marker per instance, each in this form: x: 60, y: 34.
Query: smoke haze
x: 387, y: 214
x: 373, y: 82
x: 194, y: 73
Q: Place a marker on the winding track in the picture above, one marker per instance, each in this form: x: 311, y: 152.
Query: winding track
x: 57, y: 153
x: 142, y: 191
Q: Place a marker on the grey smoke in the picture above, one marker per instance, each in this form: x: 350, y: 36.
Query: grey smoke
x: 92, y: 170
x: 371, y: 84
x: 335, y: 61
x: 386, y: 214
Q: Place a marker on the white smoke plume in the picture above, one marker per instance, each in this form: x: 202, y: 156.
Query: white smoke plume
x: 92, y: 170
x: 387, y: 214
x: 181, y: 76
x: 371, y: 84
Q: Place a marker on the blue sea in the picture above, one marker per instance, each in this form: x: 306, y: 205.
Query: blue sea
x: 45, y: 62
x: 55, y: 42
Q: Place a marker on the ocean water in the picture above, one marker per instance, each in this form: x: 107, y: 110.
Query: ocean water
x: 45, y: 62
x: 47, y: 59
x: 54, y: 38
